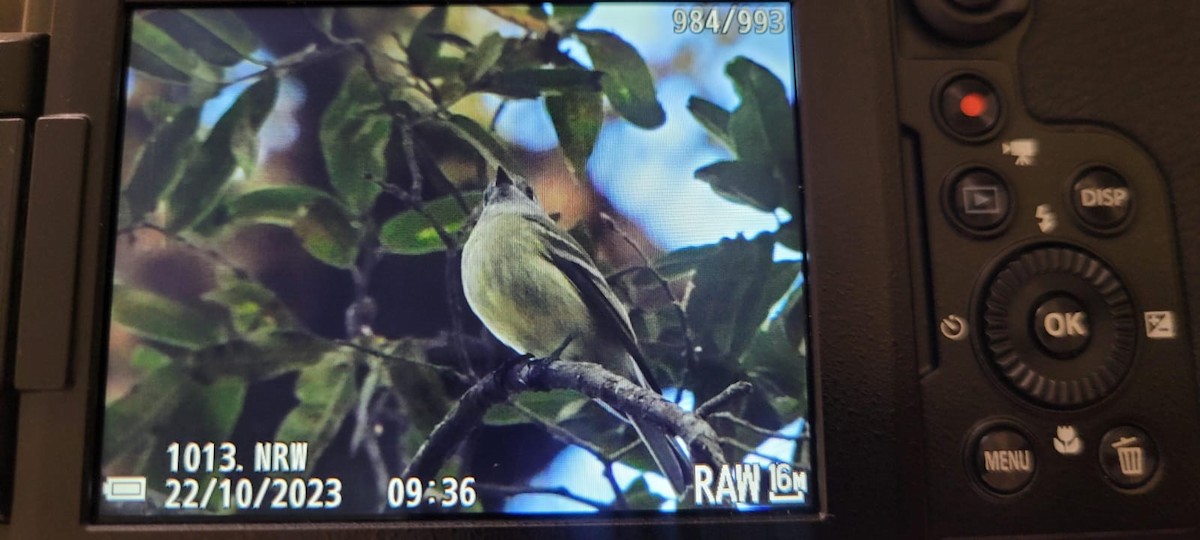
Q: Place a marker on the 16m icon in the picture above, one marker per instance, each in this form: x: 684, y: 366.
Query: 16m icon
x: 787, y: 485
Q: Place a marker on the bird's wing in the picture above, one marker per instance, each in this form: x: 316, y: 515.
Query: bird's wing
x: 577, y: 265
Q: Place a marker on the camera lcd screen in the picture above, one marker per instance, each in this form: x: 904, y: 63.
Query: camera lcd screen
x: 467, y: 261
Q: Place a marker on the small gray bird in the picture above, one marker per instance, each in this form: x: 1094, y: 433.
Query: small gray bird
x: 534, y: 286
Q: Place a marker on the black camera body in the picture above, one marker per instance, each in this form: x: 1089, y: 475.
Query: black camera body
x: 1001, y: 221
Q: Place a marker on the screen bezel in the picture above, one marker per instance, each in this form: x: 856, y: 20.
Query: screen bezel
x: 85, y: 74
x: 809, y: 511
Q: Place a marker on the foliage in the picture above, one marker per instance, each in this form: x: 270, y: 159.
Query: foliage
x: 195, y: 184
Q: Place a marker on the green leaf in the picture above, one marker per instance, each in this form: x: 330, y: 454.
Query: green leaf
x: 326, y: 392
x: 743, y: 182
x: 639, y: 496
x: 252, y: 307
x: 453, y: 40
x: 627, y: 80
x: 187, y: 29
x: 531, y: 83
x: 725, y: 306
x: 577, y: 118
x: 553, y: 406
x: 549, y: 404
x: 162, y: 162
x: 275, y: 205
x: 198, y: 191
x: 444, y: 67
x: 763, y: 127
x: 480, y: 60
x: 148, y: 359
x: 136, y: 414
x: 228, y: 27
x: 775, y: 359
x: 714, y: 119
x: 163, y: 320
x: 522, y: 54
x: 504, y: 414
x: 212, y: 410
x: 678, y: 263
x: 157, y: 53
x: 789, y: 235
x: 424, y: 47
x: 328, y: 234
x: 260, y: 357
x: 354, y: 137
x: 567, y: 16
x: 411, y: 233
x: 488, y: 146
x: 426, y: 401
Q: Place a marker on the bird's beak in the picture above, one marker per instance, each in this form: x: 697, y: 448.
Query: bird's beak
x: 502, y: 178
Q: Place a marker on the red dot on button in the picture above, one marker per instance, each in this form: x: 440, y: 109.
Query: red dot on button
x: 973, y: 105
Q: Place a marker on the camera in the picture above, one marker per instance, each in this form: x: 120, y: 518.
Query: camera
x: 855, y: 269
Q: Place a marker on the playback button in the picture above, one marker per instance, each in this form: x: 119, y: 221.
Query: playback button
x: 978, y: 201
x: 1101, y: 198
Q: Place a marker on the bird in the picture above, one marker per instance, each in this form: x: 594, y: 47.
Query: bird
x: 535, y: 288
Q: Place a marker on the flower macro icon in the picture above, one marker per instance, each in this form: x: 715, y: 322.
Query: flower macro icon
x: 1067, y: 441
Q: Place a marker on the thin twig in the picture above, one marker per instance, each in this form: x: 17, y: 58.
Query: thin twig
x: 688, y: 342
x: 728, y: 417
x: 380, y: 354
x: 378, y: 466
x: 750, y: 450
x: 524, y: 490
x: 562, y: 435
x: 732, y: 392
x: 496, y: 115
x: 619, y: 501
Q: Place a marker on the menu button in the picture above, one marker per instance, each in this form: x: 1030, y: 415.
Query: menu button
x: 1004, y: 460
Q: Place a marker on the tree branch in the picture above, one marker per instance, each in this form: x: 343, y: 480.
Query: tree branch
x: 589, y: 379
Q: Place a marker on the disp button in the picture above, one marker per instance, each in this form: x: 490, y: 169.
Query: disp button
x: 1102, y: 198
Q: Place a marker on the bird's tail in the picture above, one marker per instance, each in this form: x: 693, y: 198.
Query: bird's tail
x: 667, y: 453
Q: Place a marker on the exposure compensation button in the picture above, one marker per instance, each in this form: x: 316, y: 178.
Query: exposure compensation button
x: 1004, y: 460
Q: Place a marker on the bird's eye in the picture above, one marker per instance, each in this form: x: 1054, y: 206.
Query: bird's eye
x: 529, y: 191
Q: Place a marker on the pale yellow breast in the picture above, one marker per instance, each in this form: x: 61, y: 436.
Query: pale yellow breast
x: 517, y: 292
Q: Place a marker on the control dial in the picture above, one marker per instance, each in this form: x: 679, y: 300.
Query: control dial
x: 1058, y: 326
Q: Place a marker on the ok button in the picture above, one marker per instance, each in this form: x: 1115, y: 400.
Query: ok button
x: 1062, y: 326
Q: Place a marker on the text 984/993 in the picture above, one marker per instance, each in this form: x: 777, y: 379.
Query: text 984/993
x: 734, y: 18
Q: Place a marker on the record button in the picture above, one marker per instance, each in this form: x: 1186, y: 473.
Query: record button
x: 968, y: 107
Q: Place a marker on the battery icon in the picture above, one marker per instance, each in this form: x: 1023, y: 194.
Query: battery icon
x: 125, y: 489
